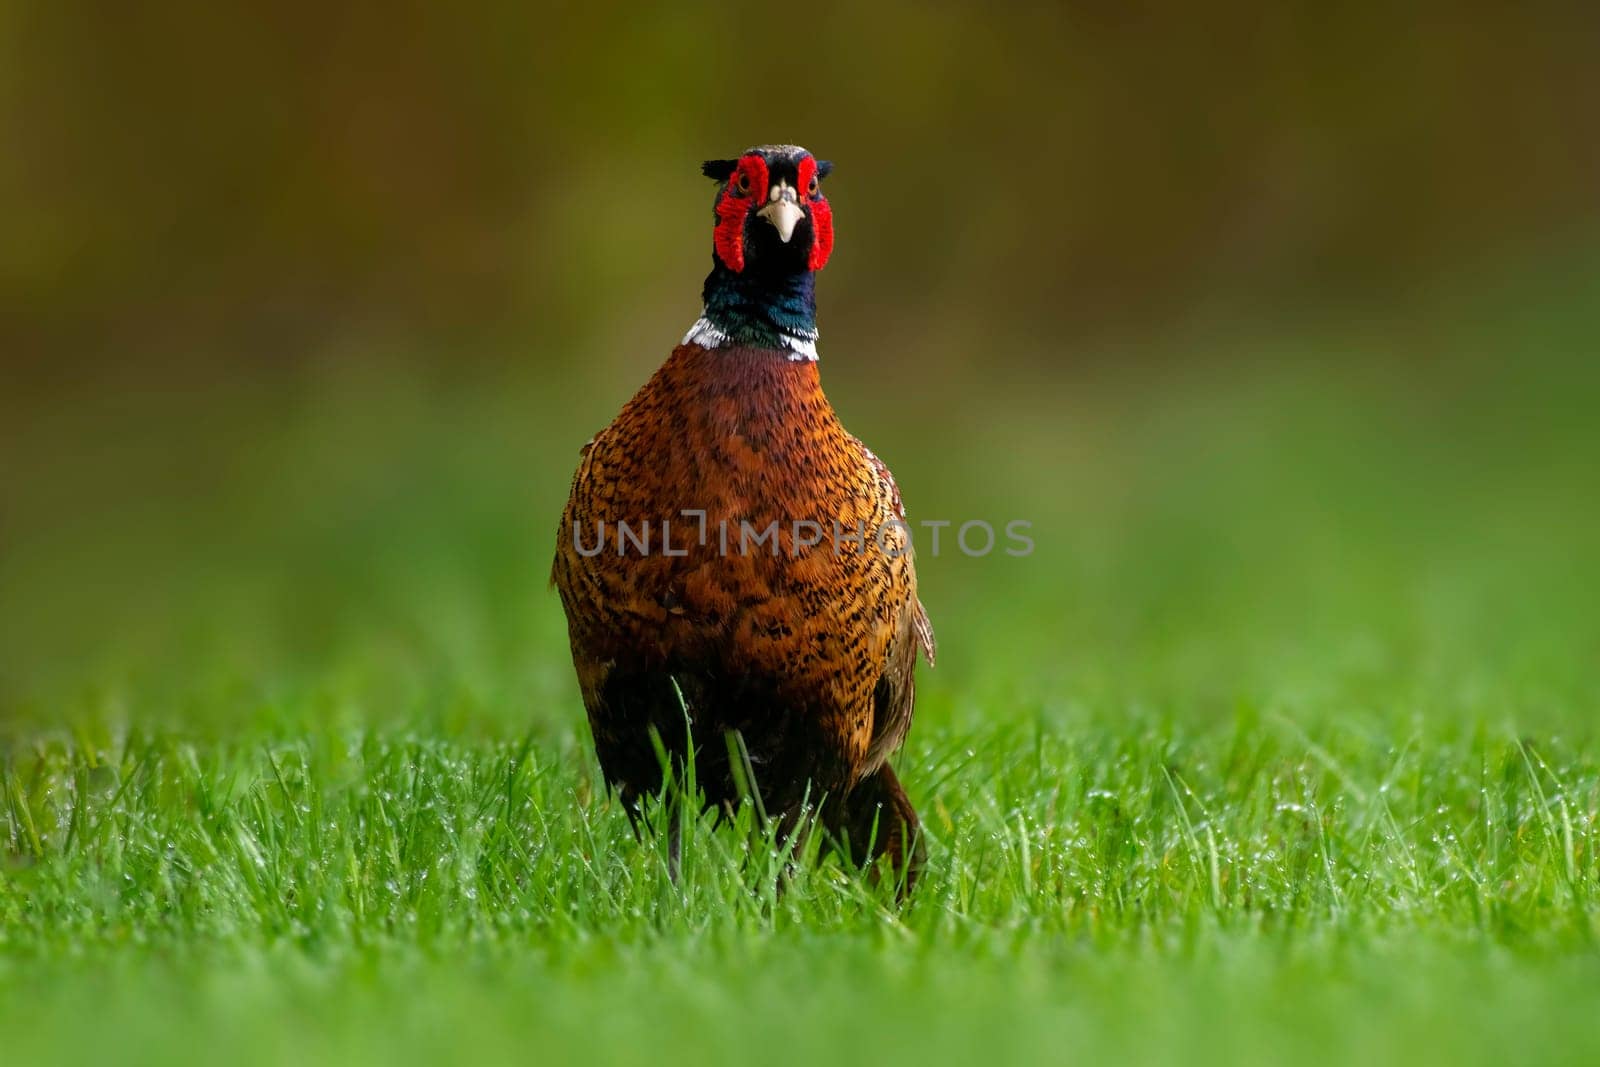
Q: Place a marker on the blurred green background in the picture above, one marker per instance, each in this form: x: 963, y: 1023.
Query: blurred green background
x: 1277, y: 325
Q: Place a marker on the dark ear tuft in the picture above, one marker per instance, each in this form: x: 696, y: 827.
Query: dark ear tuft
x: 719, y: 169
x: 824, y: 168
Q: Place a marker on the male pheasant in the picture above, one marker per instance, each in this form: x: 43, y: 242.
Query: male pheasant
x: 733, y: 562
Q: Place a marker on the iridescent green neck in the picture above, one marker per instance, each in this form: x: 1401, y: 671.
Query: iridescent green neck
x: 758, y: 309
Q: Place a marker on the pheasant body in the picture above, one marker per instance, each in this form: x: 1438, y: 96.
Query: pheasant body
x: 731, y: 559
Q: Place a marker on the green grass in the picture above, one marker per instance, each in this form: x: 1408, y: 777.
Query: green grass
x: 1281, y: 747
x: 1122, y: 887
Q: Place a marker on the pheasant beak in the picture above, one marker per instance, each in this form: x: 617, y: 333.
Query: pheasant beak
x: 782, y: 210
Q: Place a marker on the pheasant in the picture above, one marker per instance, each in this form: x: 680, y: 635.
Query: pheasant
x: 735, y: 566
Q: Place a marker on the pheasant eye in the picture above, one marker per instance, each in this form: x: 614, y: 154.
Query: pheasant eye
x: 742, y: 183
x: 811, y: 188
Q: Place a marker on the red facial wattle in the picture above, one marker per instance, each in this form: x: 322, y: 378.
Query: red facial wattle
x: 735, y: 205
x: 821, y: 216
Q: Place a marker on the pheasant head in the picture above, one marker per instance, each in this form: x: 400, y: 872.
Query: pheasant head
x: 773, y: 232
x: 771, y: 214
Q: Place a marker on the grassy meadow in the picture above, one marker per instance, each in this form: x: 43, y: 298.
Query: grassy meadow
x: 1281, y: 746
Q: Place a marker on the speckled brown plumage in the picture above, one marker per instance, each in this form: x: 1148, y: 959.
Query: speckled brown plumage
x: 807, y: 652
x: 810, y: 657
